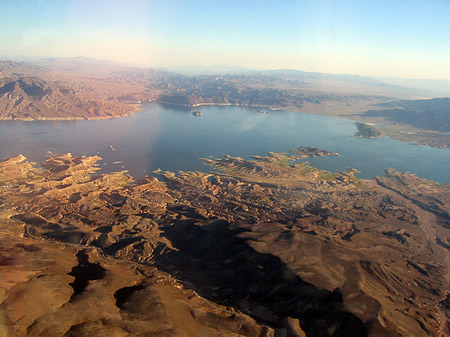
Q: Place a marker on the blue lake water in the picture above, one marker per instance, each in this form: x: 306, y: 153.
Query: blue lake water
x: 170, y: 138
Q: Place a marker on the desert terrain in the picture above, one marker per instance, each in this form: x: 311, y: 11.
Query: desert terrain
x: 262, y: 247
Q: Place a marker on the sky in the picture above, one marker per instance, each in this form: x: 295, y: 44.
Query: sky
x: 393, y: 38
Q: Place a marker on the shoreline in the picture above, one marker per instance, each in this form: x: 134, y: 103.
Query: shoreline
x: 219, y: 104
x: 137, y: 107
x: 61, y: 119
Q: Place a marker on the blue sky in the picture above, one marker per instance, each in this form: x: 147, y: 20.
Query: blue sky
x: 380, y: 38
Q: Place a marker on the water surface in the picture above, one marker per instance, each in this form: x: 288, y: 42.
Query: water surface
x: 171, y: 138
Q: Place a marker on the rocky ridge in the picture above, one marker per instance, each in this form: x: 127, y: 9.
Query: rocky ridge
x: 30, y: 98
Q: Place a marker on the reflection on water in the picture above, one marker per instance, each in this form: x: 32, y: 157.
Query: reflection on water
x: 171, y: 138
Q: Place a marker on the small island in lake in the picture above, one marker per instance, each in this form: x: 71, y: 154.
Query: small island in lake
x: 367, y: 131
x: 308, y: 151
x: 197, y: 113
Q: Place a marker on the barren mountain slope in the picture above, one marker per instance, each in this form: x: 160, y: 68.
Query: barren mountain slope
x: 35, y: 98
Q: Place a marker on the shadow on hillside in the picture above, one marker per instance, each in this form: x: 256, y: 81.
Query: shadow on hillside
x: 222, y: 267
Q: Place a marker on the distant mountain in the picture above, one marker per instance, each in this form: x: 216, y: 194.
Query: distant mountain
x: 300, y: 74
x: 317, y: 76
x: 432, y: 114
x: 80, y: 66
x: 203, y: 70
x: 10, y: 68
x: 430, y: 88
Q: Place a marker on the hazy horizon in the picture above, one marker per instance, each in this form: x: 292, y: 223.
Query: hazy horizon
x: 405, y: 39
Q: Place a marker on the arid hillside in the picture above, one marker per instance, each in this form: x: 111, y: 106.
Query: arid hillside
x: 34, y: 98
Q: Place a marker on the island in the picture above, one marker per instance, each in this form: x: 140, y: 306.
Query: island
x: 366, y: 130
x: 308, y: 151
x: 197, y: 113
x: 266, y: 246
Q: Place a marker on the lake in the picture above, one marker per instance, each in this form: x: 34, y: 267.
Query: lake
x: 171, y: 138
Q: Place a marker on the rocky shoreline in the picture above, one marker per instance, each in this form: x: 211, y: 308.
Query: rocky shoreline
x: 74, y: 118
